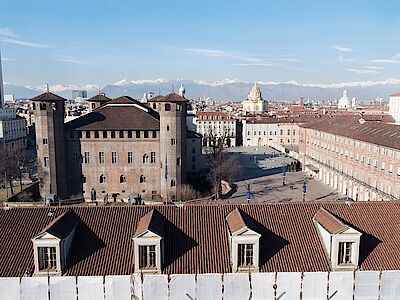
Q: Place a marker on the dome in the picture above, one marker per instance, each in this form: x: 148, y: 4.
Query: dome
x: 345, y: 101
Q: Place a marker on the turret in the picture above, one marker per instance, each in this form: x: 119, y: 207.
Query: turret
x: 97, y: 101
x: 172, y: 110
x: 50, y: 140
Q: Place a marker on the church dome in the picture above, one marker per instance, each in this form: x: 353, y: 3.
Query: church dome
x: 345, y: 101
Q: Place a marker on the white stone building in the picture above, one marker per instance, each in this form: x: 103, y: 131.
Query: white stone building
x: 345, y: 102
x: 394, y: 106
x: 254, y: 103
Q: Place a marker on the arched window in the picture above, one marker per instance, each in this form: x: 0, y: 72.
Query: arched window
x: 167, y: 107
x: 102, y: 178
x: 122, y: 179
x: 154, y: 106
x: 173, y: 183
x: 142, y: 179
x: 145, y: 159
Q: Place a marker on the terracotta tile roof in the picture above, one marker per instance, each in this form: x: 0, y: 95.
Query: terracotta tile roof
x: 378, y: 133
x: 152, y: 221
x: 237, y: 221
x: 63, y: 224
x: 329, y: 221
x: 298, y: 119
x: 48, y: 97
x: 168, y: 98
x: 395, y: 95
x: 196, y: 237
x: 99, y: 98
x: 123, y: 113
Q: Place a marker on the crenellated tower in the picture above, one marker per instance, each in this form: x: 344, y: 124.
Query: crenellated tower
x: 50, y: 140
x: 172, y: 111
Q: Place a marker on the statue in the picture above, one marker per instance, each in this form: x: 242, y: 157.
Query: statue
x: 93, y: 195
x: 105, y: 199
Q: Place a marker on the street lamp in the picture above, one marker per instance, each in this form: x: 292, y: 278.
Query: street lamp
x: 284, y: 176
x: 304, y: 191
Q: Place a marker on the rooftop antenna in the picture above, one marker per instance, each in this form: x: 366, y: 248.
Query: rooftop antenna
x: 159, y: 91
x: 173, y: 90
x: 99, y: 89
x: 47, y: 87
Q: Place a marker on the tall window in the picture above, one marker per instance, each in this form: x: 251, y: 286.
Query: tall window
x: 47, y: 258
x: 122, y: 179
x: 145, y: 159
x: 113, y: 157
x: 142, y: 179
x: 245, y: 255
x: 153, y: 157
x: 44, y: 141
x: 86, y: 158
x: 102, y: 178
x: 101, y: 157
x: 46, y: 161
x: 130, y: 157
x: 146, y: 134
x: 173, y: 142
x: 167, y: 107
x: 138, y: 134
x: 344, y: 256
x: 147, y: 256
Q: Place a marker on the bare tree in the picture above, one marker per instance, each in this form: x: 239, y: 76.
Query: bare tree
x: 187, y: 192
x: 12, y: 165
x: 223, y: 165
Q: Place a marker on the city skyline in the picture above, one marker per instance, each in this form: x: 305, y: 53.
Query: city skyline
x: 102, y: 42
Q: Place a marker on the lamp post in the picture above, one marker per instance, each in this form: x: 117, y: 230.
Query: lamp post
x: 304, y: 191
x: 284, y: 176
x: 249, y: 195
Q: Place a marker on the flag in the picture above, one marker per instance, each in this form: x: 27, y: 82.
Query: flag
x: 166, y: 169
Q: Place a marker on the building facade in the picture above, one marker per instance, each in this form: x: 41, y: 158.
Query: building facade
x: 120, y: 148
x: 215, y: 125
x: 358, y: 158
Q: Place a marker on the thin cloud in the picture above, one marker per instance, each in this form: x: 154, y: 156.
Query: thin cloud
x: 385, y: 61
x: 343, y: 49
x: 341, y: 58
x: 362, y: 71
x: 249, y: 60
x: 396, y: 56
x: 71, y: 59
x: 258, y: 65
x: 7, y: 32
x: 375, y: 68
x: 7, y: 59
x: 25, y: 43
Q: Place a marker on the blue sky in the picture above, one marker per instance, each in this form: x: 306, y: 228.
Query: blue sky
x: 103, y: 41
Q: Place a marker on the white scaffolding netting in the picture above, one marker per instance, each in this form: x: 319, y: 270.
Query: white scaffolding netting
x: 390, y: 285
x: 315, y: 285
x: 63, y: 287
x: 288, y: 285
x: 34, y: 288
x: 155, y: 287
x: 262, y: 286
x: 182, y: 287
x: 9, y: 287
x: 90, y: 288
x: 118, y: 287
x: 341, y: 286
x: 236, y: 286
x: 209, y: 286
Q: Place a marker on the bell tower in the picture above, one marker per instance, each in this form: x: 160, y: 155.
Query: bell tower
x: 50, y: 142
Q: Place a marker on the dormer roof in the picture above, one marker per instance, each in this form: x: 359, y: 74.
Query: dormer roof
x: 62, y: 226
x: 48, y: 96
x: 331, y: 223
x: 238, y: 222
x: 152, y: 221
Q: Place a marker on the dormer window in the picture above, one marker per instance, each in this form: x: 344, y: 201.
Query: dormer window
x: 245, y: 255
x: 51, y: 246
x: 47, y: 258
x: 340, y: 241
x: 147, y: 257
x: 345, y: 253
x: 148, y: 243
x: 244, y: 242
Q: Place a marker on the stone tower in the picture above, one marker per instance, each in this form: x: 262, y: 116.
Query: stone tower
x: 50, y: 140
x: 172, y: 110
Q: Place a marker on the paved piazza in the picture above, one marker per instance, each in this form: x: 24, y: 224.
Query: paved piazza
x: 262, y: 167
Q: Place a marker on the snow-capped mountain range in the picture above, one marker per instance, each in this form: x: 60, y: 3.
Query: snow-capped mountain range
x: 227, y: 89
